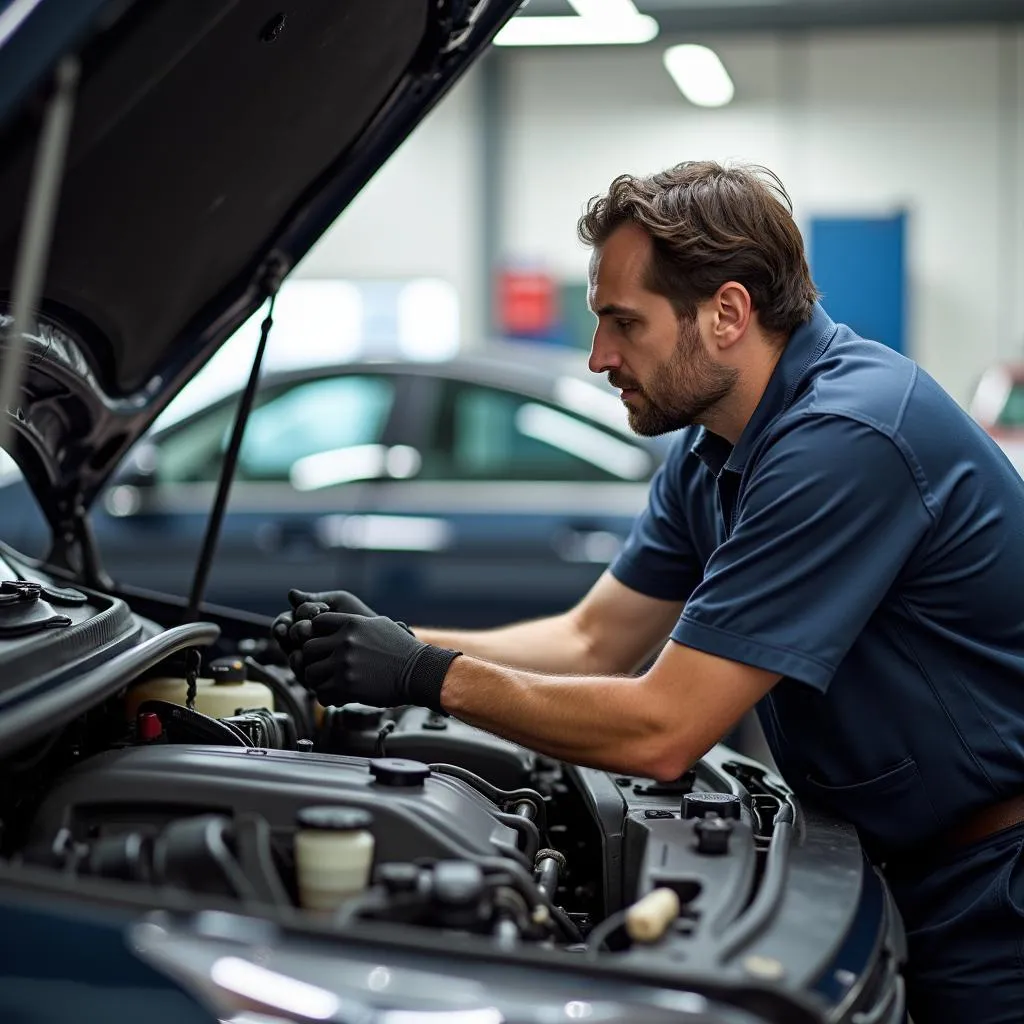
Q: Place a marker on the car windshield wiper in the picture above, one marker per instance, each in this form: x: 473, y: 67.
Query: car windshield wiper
x: 273, y: 274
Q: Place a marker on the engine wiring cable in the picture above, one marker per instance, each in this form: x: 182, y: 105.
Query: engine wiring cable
x: 598, y: 939
x: 501, y: 797
x: 772, y: 888
x: 385, y: 731
x: 280, y: 690
x: 524, y: 883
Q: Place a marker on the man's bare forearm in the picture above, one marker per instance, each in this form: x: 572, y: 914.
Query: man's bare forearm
x: 598, y: 721
x: 656, y: 724
x: 551, y: 645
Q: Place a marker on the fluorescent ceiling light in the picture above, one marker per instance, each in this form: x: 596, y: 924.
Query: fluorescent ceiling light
x: 605, y: 10
x: 699, y: 74
x: 597, y: 23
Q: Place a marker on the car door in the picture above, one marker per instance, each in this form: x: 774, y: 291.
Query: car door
x: 309, y: 446
x: 516, y: 508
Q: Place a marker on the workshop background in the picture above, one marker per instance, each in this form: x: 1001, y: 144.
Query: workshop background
x: 894, y: 125
x: 471, y: 492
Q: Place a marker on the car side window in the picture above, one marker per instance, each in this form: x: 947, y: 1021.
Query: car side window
x: 1012, y: 413
x: 331, y: 414
x: 486, y: 433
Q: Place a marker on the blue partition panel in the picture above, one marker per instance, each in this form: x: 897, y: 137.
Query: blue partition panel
x: 859, y: 266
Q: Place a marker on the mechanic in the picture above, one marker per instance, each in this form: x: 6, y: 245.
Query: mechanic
x: 831, y: 540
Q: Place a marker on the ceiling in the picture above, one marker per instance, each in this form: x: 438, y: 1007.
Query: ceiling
x: 687, y: 16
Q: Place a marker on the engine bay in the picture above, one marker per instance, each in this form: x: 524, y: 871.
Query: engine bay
x: 424, y: 820
x: 183, y: 763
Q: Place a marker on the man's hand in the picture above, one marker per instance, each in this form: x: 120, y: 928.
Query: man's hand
x: 353, y: 658
x: 305, y: 605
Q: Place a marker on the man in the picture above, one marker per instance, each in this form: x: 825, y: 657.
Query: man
x: 831, y: 540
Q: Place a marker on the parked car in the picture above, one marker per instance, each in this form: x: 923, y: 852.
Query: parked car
x: 479, y: 490
x: 185, y: 837
x: 998, y: 406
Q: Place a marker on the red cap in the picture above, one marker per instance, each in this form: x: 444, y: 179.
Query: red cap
x: 149, y: 726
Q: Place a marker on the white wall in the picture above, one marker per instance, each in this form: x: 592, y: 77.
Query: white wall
x: 863, y: 123
x: 418, y: 217
x: 852, y: 122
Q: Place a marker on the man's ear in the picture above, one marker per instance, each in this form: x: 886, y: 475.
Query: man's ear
x: 733, y: 308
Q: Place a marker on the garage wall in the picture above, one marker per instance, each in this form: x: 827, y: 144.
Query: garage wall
x: 859, y: 123
x: 418, y: 217
x: 854, y: 124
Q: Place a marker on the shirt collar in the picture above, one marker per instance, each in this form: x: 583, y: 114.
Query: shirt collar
x: 804, y: 347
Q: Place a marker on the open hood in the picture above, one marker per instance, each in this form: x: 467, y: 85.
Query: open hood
x: 213, y: 142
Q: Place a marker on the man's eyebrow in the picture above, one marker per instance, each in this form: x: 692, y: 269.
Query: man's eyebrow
x: 614, y: 309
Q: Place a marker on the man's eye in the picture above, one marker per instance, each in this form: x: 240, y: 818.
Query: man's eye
x: 623, y: 325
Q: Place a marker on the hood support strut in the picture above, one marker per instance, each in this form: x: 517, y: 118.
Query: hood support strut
x: 271, y: 276
x: 73, y: 541
x: 37, y: 232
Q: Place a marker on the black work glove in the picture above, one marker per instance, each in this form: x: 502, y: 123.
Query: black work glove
x: 305, y: 605
x: 370, y: 660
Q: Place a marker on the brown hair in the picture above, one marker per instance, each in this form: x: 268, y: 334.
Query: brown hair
x: 710, y: 224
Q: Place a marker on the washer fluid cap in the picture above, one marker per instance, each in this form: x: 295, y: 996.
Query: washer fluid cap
x: 697, y: 805
x: 334, y: 819
x: 396, y: 771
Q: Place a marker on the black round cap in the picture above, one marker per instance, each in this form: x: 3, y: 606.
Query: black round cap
x: 396, y: 771
x: 397, y: 877
x: 713, y: 835
x: 357, y: 717
x: 334, y: 819
x: 698, y: 805
x: 458, y: 883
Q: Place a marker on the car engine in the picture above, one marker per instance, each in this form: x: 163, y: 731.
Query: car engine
x: 214, y: 774
x: 396, y: 815
x: 180, y: 768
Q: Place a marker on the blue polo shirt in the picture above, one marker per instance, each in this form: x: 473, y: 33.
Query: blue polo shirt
x: 864, y: 539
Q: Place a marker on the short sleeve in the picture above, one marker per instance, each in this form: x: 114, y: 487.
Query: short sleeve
x: 659, y: 558
x: 825, y: 524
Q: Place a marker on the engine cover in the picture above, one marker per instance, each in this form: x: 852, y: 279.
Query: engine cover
x: 416, y: 813
x: 426, y: 736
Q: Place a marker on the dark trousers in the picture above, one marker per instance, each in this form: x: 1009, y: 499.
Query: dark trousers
x: 964, y: 916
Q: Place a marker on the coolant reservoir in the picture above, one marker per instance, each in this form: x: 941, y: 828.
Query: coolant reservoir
x: 333, y: 855
x: 219, y: 696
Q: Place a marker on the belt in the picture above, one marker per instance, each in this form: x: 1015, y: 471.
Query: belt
x: 986, y: 822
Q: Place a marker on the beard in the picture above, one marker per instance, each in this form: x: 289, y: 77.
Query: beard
x: 681, y: 391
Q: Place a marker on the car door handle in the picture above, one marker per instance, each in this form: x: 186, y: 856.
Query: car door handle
x: 384, y: 532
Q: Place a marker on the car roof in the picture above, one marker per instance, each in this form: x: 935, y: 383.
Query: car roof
x: 549, y: 373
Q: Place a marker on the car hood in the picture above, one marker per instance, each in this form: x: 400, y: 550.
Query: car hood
x: 213, y: 142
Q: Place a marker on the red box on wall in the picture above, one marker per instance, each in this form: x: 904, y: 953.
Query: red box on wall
x: 527, y: 302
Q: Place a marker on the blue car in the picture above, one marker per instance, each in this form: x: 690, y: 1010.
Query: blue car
x: 470, y: 492
x: 186, y: 837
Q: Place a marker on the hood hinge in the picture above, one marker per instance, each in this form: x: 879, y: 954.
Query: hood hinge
x: 74, y: 546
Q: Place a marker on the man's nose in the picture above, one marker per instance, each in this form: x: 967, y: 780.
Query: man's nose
x: 603, y: 356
